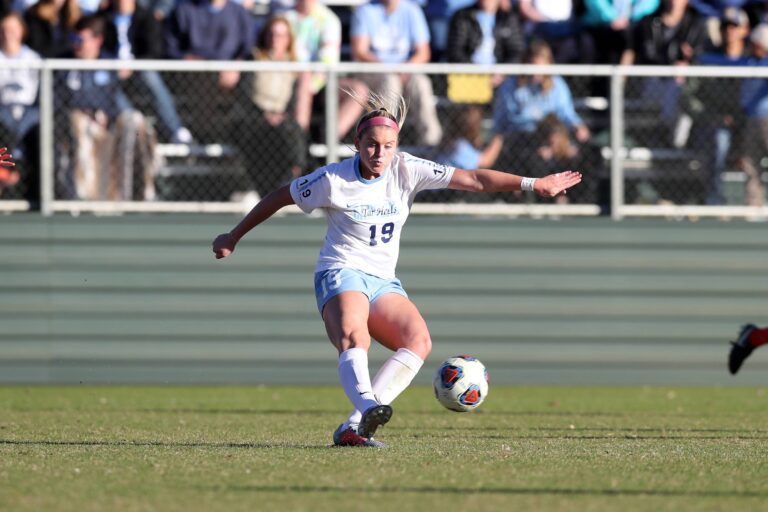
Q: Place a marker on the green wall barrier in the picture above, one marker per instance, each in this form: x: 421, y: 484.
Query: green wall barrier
x: 140, y: 299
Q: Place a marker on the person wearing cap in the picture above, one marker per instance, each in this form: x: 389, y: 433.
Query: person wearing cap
x: 714, y: 12
x: 715, y: 102
x: 366, y: 201
x: 754, y: 100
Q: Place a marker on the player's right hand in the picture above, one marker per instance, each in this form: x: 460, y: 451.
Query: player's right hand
x: 223, y: 245
x: 5, y: 158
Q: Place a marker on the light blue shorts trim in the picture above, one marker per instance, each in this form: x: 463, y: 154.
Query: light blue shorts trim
x: 329, y: 283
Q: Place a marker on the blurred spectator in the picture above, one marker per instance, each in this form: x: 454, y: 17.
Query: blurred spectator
x: 210, y: 30
x: 439, y: 14
x: 757, y: 10
x: 394, y: 32
x: 88, y: 7
x: 132, y: 32
x: 280, y: 6
x: 716, y: 8
x: 272, y: 143
x: 484, y: 34
x: 555, y: 22
x: 554, y: 141
x: 608, y: 24
x: 462, y: 145
x: 522, y: 102
x: 671, y: 36
x: 712, y: 11
x: 160, y: 9
x: 49, y: 24
x: 19, y: 113
x: 112, y: 157
x: 555, y: 151
x: 607, y: 33
x: 318, y: 39
x: 19, y: 6
x: 754, y: 99
x: 714, y: 103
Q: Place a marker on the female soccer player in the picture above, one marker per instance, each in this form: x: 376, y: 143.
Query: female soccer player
x: 366, y: 200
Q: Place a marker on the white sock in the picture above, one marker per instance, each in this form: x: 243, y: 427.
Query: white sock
x: 355, y: 379
x: 394, y: 376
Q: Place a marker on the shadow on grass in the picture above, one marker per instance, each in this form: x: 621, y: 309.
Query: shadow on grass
x: 275, y: 412
x: 165, y: 444
x: 623, y: 437
x: 464, y: 428
x: 522, y: 491
x: 436, y: 412
x: 344, y: 411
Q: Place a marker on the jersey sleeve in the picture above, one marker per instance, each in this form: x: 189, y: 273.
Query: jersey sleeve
x: 428, y: 175
x: 312, y: 191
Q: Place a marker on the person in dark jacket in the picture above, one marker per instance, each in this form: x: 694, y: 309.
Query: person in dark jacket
x: 49, y: 24
x: 484, y: 34
x: 673, y: 36
x: 210, y: 30
x: 133, y: 32
x: 110, y: 145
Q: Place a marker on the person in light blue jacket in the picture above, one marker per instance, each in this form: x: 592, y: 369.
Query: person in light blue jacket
x: 523, y: 101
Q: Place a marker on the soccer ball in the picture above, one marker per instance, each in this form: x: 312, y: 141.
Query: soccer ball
x: 461, y: 383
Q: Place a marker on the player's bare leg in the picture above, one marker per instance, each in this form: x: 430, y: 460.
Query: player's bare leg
x: 395, y: 322
x: 345, y: 316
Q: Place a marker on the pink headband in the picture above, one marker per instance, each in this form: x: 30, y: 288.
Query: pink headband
x: 377, y: 121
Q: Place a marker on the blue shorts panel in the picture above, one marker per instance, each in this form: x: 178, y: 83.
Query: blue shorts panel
x: 329, y: 283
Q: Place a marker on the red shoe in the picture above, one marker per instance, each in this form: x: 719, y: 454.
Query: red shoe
x: 349, y: 437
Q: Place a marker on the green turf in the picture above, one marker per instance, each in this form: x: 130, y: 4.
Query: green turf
x: 256, y: 448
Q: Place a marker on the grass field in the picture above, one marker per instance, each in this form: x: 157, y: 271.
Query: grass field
x: 257, y: 448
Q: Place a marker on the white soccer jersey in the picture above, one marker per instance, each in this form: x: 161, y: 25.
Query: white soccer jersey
x: 365, y: 217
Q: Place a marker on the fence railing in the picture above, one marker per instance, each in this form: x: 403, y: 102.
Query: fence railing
x: 652, y: 149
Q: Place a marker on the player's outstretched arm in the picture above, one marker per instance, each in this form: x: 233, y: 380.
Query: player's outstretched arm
x: 225, y: 243
x: 5, y: 158
x: 487, y: 180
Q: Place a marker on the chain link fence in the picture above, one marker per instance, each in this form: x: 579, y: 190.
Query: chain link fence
x: 157, y: 133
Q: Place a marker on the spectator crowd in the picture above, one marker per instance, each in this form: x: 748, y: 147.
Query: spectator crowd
x: 110, y: 122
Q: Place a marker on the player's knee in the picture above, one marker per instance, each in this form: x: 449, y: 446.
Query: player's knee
x: 421, y: 346
x: 353, y: 337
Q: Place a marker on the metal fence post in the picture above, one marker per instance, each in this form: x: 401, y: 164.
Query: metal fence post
x: 617, y: 143
x: 331, y: 116
x: 46, y: 140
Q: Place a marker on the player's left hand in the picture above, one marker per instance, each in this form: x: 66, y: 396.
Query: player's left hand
x: 5, y: 158
x: 556, y: 184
